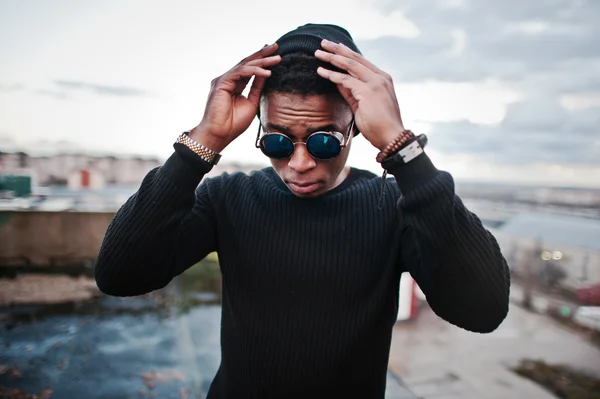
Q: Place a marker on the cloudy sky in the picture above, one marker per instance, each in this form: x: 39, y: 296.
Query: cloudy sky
x: 507, y: 90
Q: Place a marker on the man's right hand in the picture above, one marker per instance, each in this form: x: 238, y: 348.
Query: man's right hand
x: 228, y: 113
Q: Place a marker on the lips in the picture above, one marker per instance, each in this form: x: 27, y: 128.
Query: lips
x: 303, y: 187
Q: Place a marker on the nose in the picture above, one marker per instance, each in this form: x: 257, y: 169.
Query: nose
x: 301, y: 161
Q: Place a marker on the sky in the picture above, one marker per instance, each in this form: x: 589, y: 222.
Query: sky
x: 506, y: 90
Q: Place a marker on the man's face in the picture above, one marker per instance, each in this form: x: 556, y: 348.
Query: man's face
x: 297, y: 117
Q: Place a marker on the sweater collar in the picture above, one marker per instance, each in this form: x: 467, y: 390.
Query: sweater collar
x: 352, y: 177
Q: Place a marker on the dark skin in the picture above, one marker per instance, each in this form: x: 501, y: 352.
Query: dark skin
x: 367, y: 89
x: 366, y: 92
x: 298, y: 117
x: 228, y: 113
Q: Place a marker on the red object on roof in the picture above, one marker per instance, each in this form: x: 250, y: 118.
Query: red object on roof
x: 85, y: 178
x: 589, y: 295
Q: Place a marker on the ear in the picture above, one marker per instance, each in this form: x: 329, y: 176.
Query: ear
x: 354, y: 127
x: 259, y: 105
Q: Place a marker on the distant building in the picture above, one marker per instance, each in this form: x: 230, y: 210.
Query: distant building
x: 563, y: 251
x: 15, y: 185
x: 57, y: 169
x: 561, y: 196
x: 86, y: 179
x: 557, y: 195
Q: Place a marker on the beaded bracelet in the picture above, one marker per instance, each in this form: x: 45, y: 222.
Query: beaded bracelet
x: 404, y: 138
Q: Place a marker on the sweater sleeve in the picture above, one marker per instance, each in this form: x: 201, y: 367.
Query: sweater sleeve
x: 164, y: 228
x: 454, y: 259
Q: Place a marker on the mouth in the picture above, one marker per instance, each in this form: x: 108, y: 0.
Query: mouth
x: 304, y: 188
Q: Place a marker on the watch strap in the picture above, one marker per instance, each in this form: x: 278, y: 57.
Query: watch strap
x: 407, y: 153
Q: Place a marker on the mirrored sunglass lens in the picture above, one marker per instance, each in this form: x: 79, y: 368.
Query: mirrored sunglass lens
x: 277, y: 146
x: 323, y: 146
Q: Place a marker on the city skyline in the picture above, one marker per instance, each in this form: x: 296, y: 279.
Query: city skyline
x: 506, y: 92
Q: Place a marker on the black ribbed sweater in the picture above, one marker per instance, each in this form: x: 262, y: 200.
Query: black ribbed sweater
x: 310, y: 286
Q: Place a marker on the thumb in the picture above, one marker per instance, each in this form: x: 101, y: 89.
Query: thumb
x: 256, y: 90
x: 347, y: 95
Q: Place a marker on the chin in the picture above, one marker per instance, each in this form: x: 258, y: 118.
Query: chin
x: 307, y: 192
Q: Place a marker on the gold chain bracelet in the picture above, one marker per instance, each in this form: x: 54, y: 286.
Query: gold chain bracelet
x: 205, y: 153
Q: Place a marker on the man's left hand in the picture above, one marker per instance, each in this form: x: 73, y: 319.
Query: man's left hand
x: 368, y: 90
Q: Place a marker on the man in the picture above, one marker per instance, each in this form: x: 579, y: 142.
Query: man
x: 311, y: 251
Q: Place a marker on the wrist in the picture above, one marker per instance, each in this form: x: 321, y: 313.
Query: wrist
x: 385, y: 139
x: 411, y: 175
x: 210, y: 141
x: 403, y: 139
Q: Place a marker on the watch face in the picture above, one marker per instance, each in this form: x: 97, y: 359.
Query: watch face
x: 411, y: 151
x: 407, y: 153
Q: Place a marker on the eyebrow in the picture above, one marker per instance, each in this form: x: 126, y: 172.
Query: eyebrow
x: 283, y: 129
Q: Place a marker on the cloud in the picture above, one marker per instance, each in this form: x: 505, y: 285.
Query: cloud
x: 580, y: 100
x: 57, y: 95
x: 64, y: 87
x: 7, y: 144
x: 564, y: 137
x: 433, y: 101
x: 11, y: 88
x: 506, y: 39
x: 547, y: 51
x: 104, y: 90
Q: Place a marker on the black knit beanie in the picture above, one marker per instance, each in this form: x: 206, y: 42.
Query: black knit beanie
x: 307, y: 38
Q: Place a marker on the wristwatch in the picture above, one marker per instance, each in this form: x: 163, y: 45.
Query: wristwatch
x: 407, y: 153
x: 208, y: 155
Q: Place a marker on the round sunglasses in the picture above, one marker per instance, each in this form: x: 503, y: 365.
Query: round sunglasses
x: 320, y: 145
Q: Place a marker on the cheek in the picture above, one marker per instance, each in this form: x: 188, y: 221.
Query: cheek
x: 340, y: 161
x: 279, y: 165
x: 329, y: 170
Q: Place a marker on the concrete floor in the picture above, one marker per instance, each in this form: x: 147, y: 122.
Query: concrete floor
x: 438, y: 360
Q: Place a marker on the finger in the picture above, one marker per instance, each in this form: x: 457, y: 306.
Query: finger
x: 255, y: 91
x: 338, y: 48
x: 348, y: 97
x: 349, y: 82
x: 265, y: 62
x: 353, y: 67
x: 247, y: 71
x: 240, y: 86
x: 262, y: 53
x: 235, y: 81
